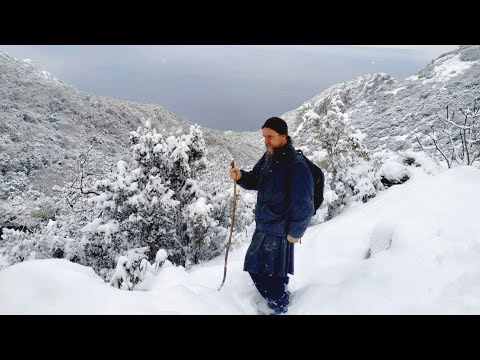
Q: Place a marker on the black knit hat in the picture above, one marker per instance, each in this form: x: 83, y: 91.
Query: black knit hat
x: 277, y: 124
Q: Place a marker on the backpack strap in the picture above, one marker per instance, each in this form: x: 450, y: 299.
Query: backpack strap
x: 298, y: 151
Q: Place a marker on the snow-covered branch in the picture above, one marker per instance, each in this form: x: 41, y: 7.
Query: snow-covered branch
x: 461, y: 138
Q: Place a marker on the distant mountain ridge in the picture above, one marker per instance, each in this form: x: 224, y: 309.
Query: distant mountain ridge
x: 391, y: 111
x: 45, y: 124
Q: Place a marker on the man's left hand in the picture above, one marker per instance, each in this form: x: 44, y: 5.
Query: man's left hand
x: 292, y: 239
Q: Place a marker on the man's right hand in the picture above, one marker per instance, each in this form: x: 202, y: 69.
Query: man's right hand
x: 235, y: 174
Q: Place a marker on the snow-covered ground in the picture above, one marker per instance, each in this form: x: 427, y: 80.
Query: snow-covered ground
x: 424, y: 238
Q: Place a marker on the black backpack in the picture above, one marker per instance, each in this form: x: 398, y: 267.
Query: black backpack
x: 318, y: 182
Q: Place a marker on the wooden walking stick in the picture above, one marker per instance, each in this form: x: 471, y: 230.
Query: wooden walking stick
x: 231, y: 226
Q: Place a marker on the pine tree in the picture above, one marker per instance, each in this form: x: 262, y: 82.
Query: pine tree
x: 337, y: 147
x: 135, y: 203
x: 157, y: 202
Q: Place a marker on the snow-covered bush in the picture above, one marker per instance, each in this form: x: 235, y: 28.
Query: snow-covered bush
x: 158, y: 201
x: 21, y: 206
x: 124, y: 275
x: 392, y: 168
x: 420, y: 159
x: 160, y: 259
x: 337, y: 147
x: 57, y: 239
x: 131, y: 271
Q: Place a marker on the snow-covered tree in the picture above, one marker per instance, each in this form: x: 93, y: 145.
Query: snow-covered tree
x: 158, y: 201
x: 23, y: 207
x: 337, y: 147
x: 134, y: 203
x: 57, y: 239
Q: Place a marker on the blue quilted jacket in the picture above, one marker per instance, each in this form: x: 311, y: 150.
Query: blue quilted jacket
x: 285, y: 192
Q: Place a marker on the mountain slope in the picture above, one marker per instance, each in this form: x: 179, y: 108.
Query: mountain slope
x: 46, y: 124
x: 391, y: 111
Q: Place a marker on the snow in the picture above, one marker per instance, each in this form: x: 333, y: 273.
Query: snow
x: 447, y: 67
x: 199, y: 207
x: 299, y: 129
x: 393, y: 170
x: 92, y: 226
x: 46, y: 74
x: 402, y: 137
x: 108, y: 228
x: 413, y: 249
x: 395, y: 91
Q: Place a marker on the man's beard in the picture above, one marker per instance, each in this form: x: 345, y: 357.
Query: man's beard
x: 269, y: 149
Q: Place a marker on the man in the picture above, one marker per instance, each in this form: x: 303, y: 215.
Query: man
x: 282, y: 214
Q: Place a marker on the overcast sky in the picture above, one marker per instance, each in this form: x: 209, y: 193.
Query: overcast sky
x: 227, y: 87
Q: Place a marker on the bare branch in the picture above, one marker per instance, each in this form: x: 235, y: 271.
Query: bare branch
x: 475, y: 158
x: 464, y: 147
x: 82, y: 173
x: 440, y: 151
x: 473, y: 133
x: 454, y: 150
x: 468, y: 130
x: 419, y: 143
x: 452, y: 123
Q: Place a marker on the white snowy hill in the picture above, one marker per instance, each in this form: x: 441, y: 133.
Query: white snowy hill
x: 413, y: 249
x: 391, y: 110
